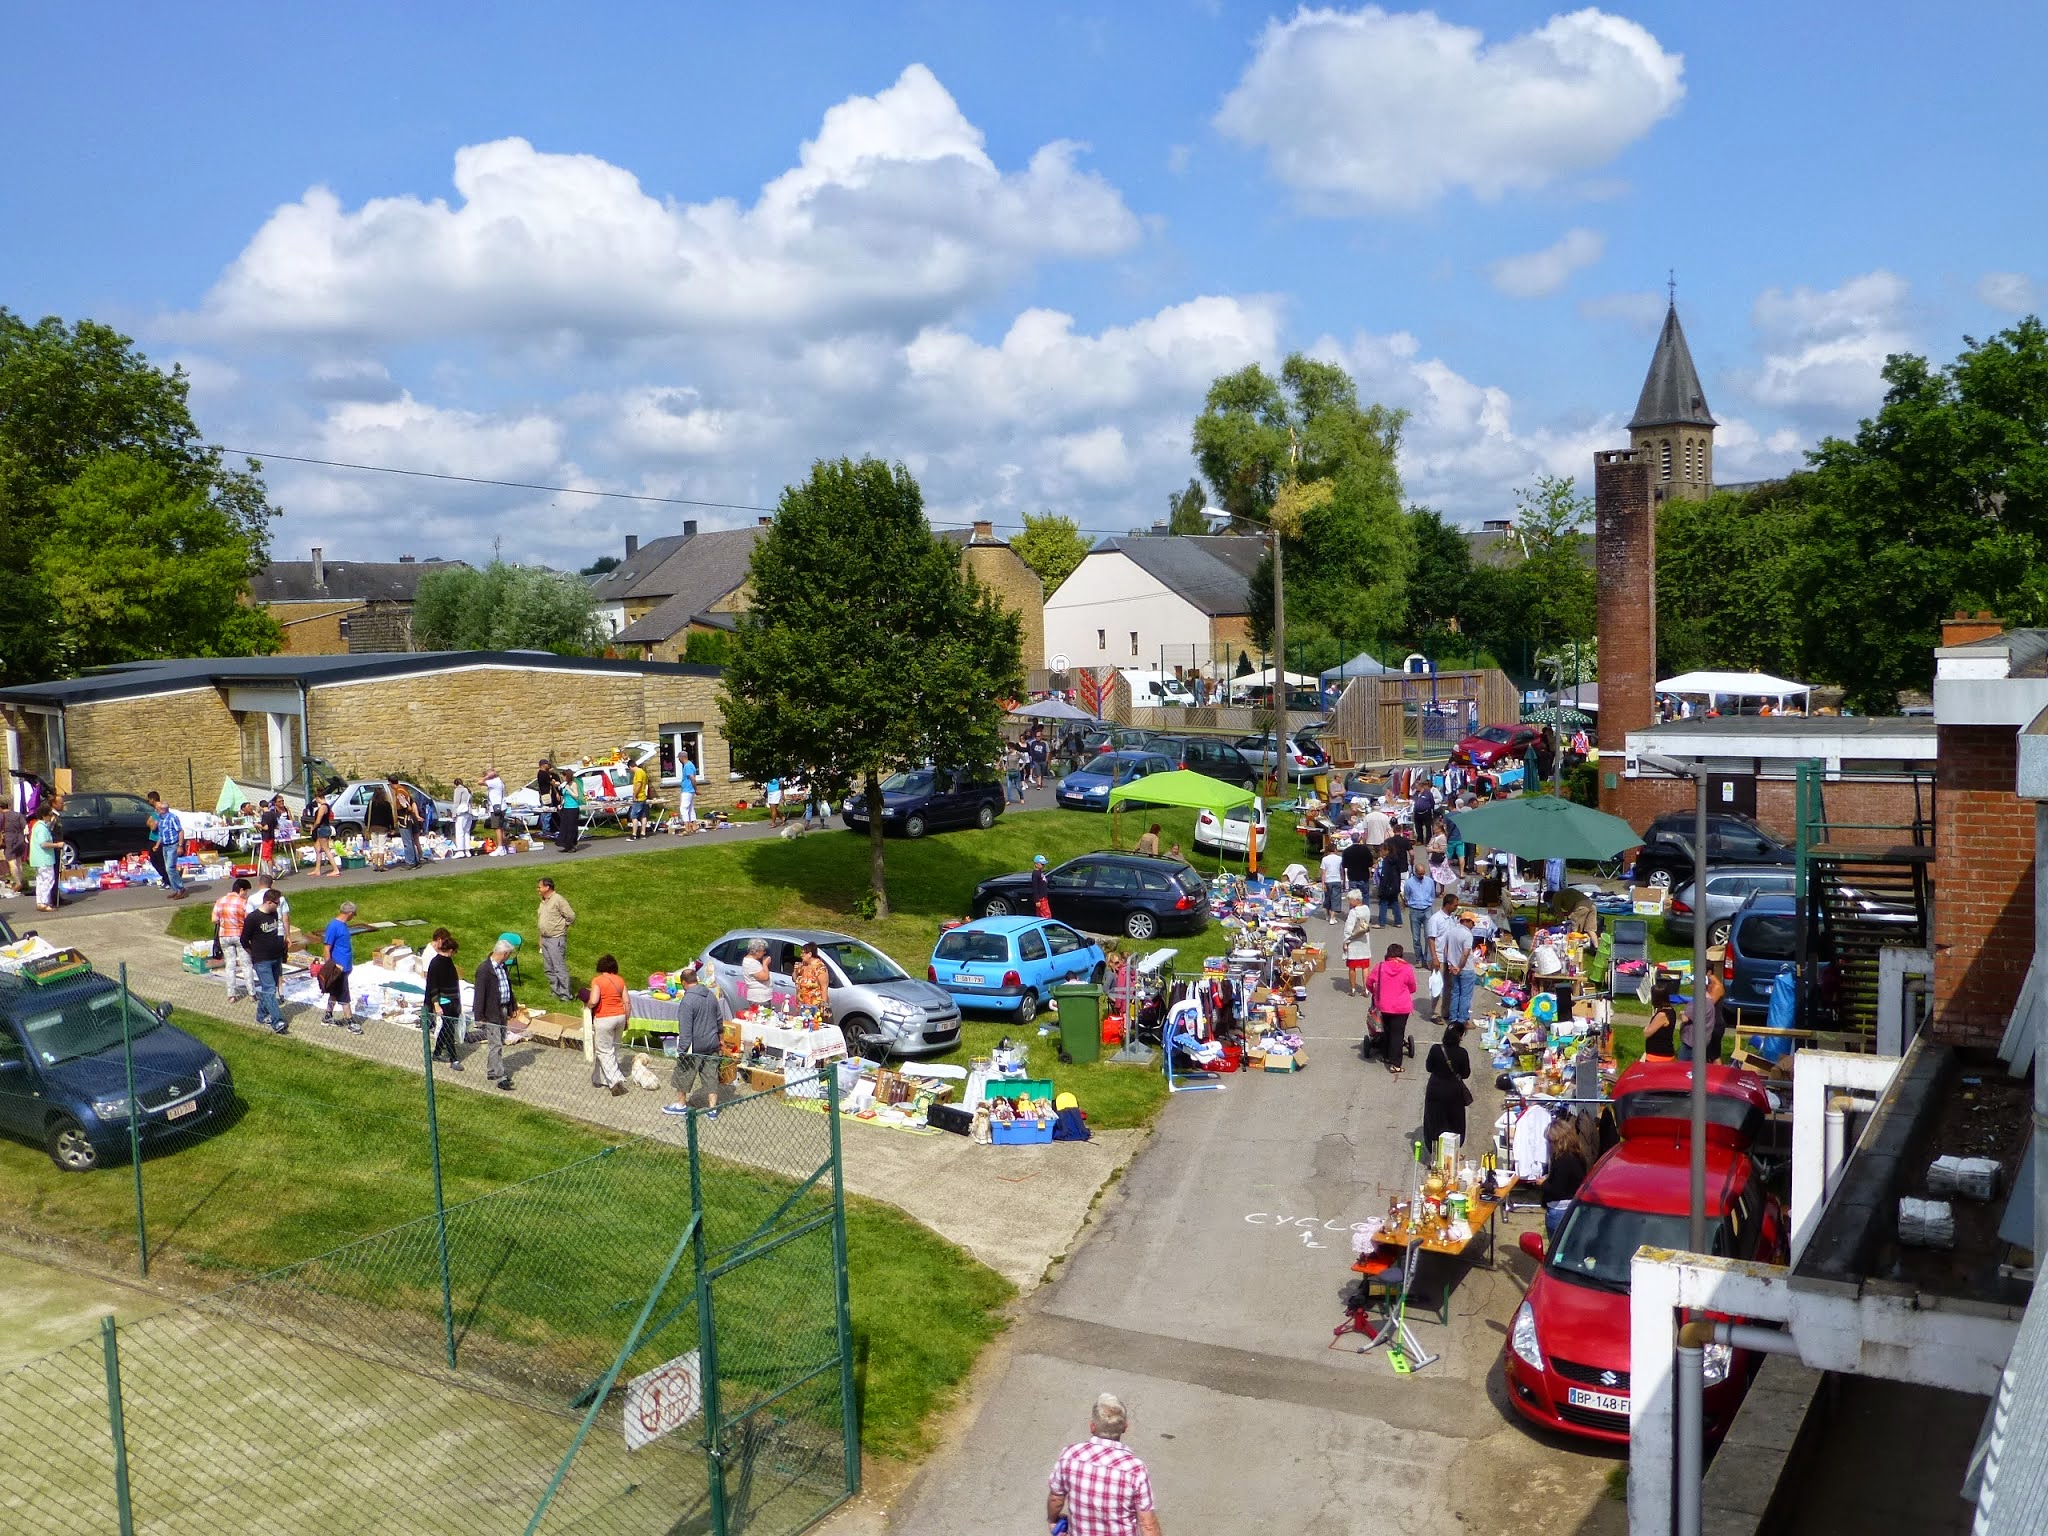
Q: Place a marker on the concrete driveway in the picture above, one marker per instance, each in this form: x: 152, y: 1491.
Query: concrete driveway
x: 1205, y: 1294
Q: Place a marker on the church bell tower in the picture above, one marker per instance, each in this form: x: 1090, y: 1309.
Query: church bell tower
x: 1672, y: 430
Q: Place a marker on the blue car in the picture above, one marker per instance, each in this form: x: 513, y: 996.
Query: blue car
x: 1011, y: 964
x: 63, y: 1083
x: 1087, y: 789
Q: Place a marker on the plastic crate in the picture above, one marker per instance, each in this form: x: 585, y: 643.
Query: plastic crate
x: 1020, y: 1133
x: 1018, y: 1088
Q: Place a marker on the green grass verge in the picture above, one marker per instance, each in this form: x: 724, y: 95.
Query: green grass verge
x: 654, y: 911
x: 330, y: 1149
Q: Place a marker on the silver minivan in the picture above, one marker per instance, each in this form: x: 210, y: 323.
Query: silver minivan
x: 881, y: 1009
x: 1728, y: 887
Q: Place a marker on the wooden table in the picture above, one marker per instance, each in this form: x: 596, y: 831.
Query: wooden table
x: 1481, y: 1218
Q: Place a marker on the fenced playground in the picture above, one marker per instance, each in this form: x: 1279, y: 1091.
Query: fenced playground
x: 652, y: 1338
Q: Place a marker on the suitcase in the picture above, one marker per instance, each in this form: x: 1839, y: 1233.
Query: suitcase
x: 950, y: 1117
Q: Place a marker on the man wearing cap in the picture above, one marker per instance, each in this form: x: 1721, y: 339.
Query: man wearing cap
x: 1041, y: 888
x: 1460, y: 956
x: 1101, y: 1488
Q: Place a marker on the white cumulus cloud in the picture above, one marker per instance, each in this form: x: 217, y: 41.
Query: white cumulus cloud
x: 2012, y: 292
x: 1372, y: 109
x: 1642, y: 312
x: 1823, y: 349
x: 1538, y: 274
x: 411, y: 434
x: 894, y: 210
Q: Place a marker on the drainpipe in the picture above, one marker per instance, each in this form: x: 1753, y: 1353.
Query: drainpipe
x: 1691, y: 1385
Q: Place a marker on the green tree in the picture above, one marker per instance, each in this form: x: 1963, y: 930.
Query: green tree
x: 707, y: 647
x: 70, y: 397
x: 867, y: 649
x: 1300, y: 454
x: 1052, y: 546
x: 506, y: 608
x: 1440, y: 589
x: 1939, y: 502
x: 137, y: 563
x: 602, y: 565
x: 1186, y: 511
x: 1725, y: 567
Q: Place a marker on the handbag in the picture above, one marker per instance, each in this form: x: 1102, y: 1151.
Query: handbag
x: 330, y: 976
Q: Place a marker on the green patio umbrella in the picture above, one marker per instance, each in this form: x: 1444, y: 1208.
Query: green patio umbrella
x: 1558, y: 714
x: 1546, y: 827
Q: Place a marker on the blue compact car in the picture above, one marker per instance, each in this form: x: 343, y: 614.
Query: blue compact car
x: 63, y: 1083
x: 1087, y: 789
x: 1011, y: 964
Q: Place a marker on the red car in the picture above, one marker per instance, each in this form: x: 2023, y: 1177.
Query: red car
x: 1566, y: 1358
x: 1493, y: 745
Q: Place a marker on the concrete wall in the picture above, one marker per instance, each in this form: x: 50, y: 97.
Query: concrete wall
x: 1984, y: 884
x: 1625, y: 565
x: 1110, y: 593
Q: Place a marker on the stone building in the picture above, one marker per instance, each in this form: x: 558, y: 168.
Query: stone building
x: 680, y: 582
x: 1672, y: 430
x: 184, y: 727
x: 1003, y: 571
x: 342, y: 607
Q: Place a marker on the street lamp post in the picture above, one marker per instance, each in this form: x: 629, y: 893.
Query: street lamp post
x: 1702, y: 1026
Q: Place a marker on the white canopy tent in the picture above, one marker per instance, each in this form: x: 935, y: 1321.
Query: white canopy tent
x: 1741, y: 685
x: 1263, y: 678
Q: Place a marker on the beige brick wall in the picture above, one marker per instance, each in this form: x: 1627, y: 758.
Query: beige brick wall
x: 311, y: 629
x: 1016, y: 585
x: 180, y: 744
x: 448, y: 724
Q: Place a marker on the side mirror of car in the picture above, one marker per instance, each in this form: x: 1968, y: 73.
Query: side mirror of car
x: 162, y: 1011
x: 1532, y: 1245
x: 13, y: 1064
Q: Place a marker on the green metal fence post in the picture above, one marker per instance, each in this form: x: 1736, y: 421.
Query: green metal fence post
x: 707, y: 1342
x: 847, y: 1406
x: 123, y: 1507
x: 434, y: 1152
x: 134, y: 1122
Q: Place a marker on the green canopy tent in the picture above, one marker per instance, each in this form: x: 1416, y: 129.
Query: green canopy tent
x: 1183, y: 789
x: 1546, y: 827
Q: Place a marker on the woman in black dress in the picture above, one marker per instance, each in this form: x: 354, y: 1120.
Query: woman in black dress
x: 1444, y: 1098
x: 442, y: 1010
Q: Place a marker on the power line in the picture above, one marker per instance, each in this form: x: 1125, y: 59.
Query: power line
x: 514, y: 485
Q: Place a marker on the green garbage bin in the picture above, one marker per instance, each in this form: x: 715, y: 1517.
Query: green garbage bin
x: 1080, y: 1004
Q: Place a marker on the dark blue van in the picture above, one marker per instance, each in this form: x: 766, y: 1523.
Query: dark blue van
x: 63, y: 1083
x: 1763, y: 939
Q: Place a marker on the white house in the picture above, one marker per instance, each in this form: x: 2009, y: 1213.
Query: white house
x: 1171, y: 605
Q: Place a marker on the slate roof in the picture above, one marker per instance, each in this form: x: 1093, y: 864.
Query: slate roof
x: 360, y: 581
x: 642, y: 566
x: 700, y: 572
x: 133, y: 679
x: 1672, y: 395
x: 1211, y: 572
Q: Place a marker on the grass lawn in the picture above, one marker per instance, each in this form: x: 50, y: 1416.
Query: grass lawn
x: 329, y: 1149
x: 655, y: 911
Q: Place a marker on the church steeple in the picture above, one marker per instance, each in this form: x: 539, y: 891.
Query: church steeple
x: 1672, y: 428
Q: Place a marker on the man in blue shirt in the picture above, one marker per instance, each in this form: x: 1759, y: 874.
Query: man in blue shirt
x: 341, y: 959
x: 1418, y: 895
x: 169, y: 835
x: 686, y: 777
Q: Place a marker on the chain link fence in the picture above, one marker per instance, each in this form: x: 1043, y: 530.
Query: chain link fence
x: 652, y: 1337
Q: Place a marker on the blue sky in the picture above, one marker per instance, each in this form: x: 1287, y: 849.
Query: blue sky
x: 1018, y: 246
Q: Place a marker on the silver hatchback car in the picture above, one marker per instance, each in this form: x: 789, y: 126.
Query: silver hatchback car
x: 881, y: 1008
x: 1728, y: 887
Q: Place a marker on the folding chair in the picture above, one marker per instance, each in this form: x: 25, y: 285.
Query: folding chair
x: 1630, y: 940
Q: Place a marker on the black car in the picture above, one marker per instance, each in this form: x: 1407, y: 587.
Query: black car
x: 925, y: 799
x: 1667, y: 852
x: 1208, y: 755
x: 103, y: 826
x: 1109, y: 893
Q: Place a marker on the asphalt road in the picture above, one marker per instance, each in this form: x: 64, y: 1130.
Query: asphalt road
x: 1205, y: 1296
x: 21, y: 910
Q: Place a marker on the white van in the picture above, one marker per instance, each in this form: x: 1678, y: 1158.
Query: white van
x: 1153, y: 688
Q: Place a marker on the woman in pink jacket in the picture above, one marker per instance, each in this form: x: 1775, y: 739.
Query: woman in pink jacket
x: 1392, y: 990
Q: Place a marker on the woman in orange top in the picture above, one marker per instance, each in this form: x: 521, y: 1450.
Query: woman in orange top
x: 608, y: 1017
x: 813, y: 979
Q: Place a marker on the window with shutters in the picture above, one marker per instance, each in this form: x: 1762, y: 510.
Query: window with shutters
x: 1666, y: 458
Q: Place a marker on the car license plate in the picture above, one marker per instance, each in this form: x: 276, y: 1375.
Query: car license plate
x: 1601, y: 1402
x: 180, y: 1111
x: 967, y: 979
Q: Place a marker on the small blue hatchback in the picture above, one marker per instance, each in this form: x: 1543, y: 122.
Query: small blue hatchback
x: 63, y: 1082
x: 1011, y: 964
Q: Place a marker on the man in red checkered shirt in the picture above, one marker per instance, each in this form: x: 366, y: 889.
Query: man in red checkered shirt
x: 1100, y: 1487
x: 229, y: 913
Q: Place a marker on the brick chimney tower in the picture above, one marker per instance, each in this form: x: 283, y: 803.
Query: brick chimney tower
x: 1625, y: 567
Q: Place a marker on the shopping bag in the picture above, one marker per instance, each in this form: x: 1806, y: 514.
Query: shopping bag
x: 1436, y: 984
